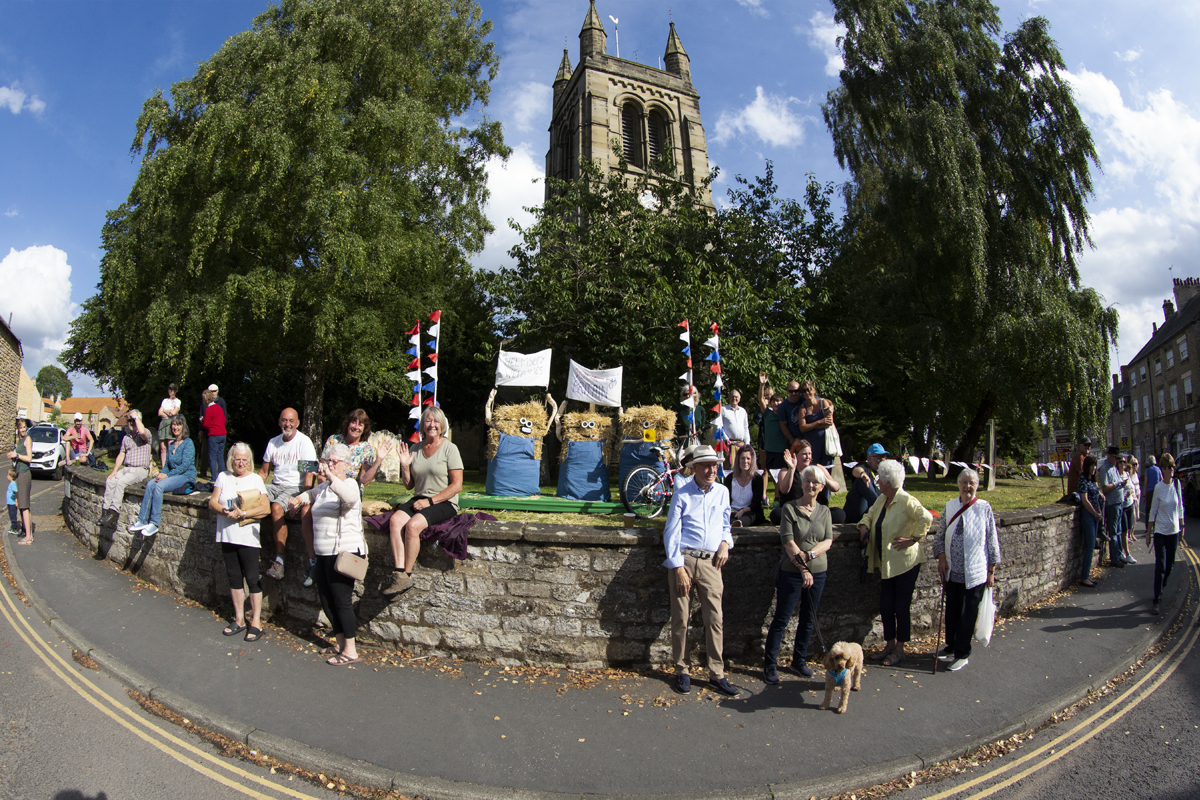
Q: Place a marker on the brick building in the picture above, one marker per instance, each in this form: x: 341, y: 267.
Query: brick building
x: 11, y: 356
x: 1154, y: 401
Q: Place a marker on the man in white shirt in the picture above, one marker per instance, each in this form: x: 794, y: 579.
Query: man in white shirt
x: 736, y: 423
x: 285, y: 453
x: 697, y: 542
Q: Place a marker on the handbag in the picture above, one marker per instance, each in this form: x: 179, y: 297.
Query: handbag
x: 833, y: 442
x: 250, y: 501
x: 349, y: 564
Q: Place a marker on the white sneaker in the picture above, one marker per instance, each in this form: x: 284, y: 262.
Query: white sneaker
x: 152, y: 529
x: 139, y: 526
x: 957, y: 665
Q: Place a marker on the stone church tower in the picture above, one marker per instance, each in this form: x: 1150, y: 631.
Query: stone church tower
x: 607, y: 101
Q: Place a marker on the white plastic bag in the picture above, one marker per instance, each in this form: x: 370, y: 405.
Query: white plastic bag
x: 833, y: 442
x: 986, y: 619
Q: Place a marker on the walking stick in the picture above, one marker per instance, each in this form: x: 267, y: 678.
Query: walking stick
x: 941, y: 613
x: 816, y: 621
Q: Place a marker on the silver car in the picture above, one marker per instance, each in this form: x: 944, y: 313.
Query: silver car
x: 49, y: 450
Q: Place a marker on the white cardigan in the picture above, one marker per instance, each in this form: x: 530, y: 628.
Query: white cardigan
x: 979, y: 533
x: 336, y: 502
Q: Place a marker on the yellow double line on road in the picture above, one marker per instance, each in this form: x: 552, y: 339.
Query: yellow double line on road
x: 1135, y: 694
x: 167, y: 742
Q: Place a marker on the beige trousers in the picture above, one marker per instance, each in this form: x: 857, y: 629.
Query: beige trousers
x: 114, y: 487
x: 707, y: 584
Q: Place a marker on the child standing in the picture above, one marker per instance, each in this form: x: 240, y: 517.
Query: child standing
x: 10, y: 498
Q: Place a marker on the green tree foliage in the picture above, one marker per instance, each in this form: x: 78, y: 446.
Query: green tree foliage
x: 612, y: 264
x: 302, y: 199
x: 971, y: 167
x: 51, y: 380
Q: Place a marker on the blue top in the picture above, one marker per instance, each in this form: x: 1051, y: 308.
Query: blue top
x: 1153, y: 476
x: 699, y: 520
x: 1091, y: 491
x: 11, y: 495
x: 181, y: 459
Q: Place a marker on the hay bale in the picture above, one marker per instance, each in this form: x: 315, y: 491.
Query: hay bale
x: 507, y: 420
x: 372, y: 507
x: 635, y: 420
x: 601, y: 430
x: 389, y: 470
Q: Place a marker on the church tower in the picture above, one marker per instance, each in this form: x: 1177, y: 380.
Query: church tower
x: 606, y: 102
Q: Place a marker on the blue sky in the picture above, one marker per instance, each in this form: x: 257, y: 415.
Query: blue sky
x: 74, y: 75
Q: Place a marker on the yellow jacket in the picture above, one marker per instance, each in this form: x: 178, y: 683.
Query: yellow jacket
x: 905, y: 518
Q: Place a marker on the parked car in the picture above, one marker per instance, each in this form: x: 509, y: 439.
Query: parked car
x: 1187, y: 472
x: 49, y: 450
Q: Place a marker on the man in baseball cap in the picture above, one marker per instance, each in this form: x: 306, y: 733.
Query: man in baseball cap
x: 697, y: 540
x: 79, y: 442
x: 863, y: 488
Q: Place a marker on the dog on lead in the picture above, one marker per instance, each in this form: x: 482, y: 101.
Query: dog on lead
x: 843, y: 668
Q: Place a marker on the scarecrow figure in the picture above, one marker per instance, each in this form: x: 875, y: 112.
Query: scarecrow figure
x: 587, y: 450
x: 514, y: 449
x: 642, y: 429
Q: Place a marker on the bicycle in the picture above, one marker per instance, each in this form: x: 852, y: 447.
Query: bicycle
x: 647, y: 491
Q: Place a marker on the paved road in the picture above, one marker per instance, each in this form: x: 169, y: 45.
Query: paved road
x: 71, y: 733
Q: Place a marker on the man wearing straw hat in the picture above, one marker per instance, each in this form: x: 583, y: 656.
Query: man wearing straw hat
x: 697, y: 541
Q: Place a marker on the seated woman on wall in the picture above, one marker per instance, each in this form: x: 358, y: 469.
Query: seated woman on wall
x: 746, y: 489
x: 797, y: 458
x: 238, y: 535
x: 433, y: 469
x: 336, y: 506
x: 892, y: 532
x: 364, y: 458
x: 179, y: 469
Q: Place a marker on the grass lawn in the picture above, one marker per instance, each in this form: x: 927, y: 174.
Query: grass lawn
x: 1009, y: 495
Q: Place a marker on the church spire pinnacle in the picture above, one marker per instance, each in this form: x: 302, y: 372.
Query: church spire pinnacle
x: 676, y: 58
x: 593, y: 39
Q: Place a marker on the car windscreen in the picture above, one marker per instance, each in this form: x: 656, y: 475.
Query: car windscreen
x: 44, y: 435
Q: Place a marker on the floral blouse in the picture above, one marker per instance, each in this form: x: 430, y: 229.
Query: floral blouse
x: 1091, y: 491
x: 361, y: 453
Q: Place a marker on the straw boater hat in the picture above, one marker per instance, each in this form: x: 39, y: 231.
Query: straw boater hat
x: 705, y: 455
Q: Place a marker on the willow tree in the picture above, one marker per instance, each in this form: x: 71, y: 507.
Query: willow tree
x: 302, y: 199
x: 971, y: 170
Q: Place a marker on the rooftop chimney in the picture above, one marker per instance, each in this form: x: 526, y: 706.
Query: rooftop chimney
x: 1186, y: 289
x: 1116, y: 381
x: 1168, y: 310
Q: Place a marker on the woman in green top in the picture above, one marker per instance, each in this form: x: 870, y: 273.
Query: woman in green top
x: 806, y: 531
x: 433, y: 469
x: 20, y: 457
x: 892, y: 531
x: 774, y: 442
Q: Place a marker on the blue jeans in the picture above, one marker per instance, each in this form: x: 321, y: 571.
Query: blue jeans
x: 216, y: 456
x: 1091, y: 526
x: 1114, y: 522
x: 789, y: 590
x: 1164, y: 559
x: 152, y: 500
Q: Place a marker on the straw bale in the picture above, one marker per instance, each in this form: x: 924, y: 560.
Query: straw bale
x: 493, y: 443
x: 572, y: 432
x: 507, y: 419
x: 372, y: 507
x: 389, y: 469
x: 634, y: 420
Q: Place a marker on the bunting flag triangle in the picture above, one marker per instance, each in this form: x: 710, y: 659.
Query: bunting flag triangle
x: 430, y: 387
x: 416, y: 329
x: 713, y: 356
x: 414, y: 339
x: 416, y: 437
x: 428, y: 401
x: 415, y: 412
x: 715, y: 368
x: 719, y: 435
x: 434, y: 329
x: 416, y: 401
x: 689, y: 363
x: 412, y: 351
x: 714, y: 329
x: 433, y: 357
x: 416, y: 364
x: 685, y: 377
x: 712, y: 342
x: 683, y: 324
x: 719, y: 382
x: 432, y: 344
x: 431, y: 372
x: 436, y: 316
x: 689, y: 417
x: 687, y: 351
x: 717, y: 395
x: 685, y: 337
x: 689, y: 402
x: 716, y: 410
x: 415, y: 375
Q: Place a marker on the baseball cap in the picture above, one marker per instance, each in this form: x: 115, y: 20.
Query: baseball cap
x: 1086, y: 440
x: 212, y: 387
x: 877, y: 450
x: 78, y: 417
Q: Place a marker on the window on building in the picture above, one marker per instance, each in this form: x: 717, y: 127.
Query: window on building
x: 1135, y: 412
x: 1162, y: 402
x: 1187, y: 388
x: 631, y: 134
x: 1120, y: 403
x: 1143, y: 373
x: 1174, y: 397
x: 1146, y: 407
x: 1171, y: 358
x: 1133, y: 377
x: 1182, y: 342
x: 1158, y: 366
x: 657, y: 137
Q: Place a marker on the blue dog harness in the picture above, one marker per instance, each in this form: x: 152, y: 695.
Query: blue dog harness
x: 838, y: 677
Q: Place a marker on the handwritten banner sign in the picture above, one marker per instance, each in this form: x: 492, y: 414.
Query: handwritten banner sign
x: 519, y: 369
x: 599, y: 386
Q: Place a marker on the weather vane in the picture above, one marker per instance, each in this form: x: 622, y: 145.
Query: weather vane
x: 617, y: 33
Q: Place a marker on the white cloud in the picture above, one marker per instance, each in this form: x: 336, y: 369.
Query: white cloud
x: 512, y: 189
x: 13, y: 98
x: 41, y: 309
x: 823, y: 35
x: 1146, y: 225
x: 755, y: 7
x: 769, y: 117
x: 530, y: 105
x: 1129, y: 55
x: 12, y: 212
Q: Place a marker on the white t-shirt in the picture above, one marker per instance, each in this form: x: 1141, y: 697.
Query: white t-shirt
x: 736, y: 423
x: 282, y: 456
x: 229, y: 531
x: 740, y: 496
x: 169, y: 406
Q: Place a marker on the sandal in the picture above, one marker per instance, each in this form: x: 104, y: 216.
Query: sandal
x: 341, y: 660
x: 893, y: 659
x: 233, y: 629
x: 881, y: 655
x: 254, y: 634
x: 27, y: 540
x: 332, y: 650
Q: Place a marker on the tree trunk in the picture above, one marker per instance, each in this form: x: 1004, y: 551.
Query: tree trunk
x: 974, y: 432
x: 314, y: 400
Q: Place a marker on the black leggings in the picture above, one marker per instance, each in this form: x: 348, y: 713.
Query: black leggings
x: 241, y: 561
x: 337, y: 597
x: 895, y: 604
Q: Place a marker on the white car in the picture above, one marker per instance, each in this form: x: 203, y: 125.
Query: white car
x: 49, y: 450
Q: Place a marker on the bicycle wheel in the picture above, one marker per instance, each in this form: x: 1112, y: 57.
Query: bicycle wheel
x: 646, y: 492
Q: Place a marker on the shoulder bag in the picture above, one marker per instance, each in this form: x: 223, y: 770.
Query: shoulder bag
x: 833, y: 442
x: 349, y: 564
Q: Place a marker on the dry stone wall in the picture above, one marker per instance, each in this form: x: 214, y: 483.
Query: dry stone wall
x: 575, y: 596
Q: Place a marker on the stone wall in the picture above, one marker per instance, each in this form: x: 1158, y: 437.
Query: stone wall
x: 577, y: 596
x: 10, y: 378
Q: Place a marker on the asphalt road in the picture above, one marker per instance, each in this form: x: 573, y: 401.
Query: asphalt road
x: 71, y: 733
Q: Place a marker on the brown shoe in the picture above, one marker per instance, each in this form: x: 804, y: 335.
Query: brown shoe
x: 400, y: 584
